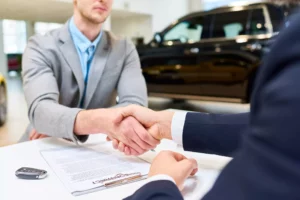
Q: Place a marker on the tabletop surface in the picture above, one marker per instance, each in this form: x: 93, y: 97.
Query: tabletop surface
x: 28, y: 155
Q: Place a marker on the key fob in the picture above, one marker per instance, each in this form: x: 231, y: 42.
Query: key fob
x: 31, y: 173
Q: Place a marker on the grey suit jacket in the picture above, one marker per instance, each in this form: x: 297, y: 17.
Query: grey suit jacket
x: 54, y: 85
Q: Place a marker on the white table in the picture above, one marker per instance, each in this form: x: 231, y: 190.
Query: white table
x: 28, y: 155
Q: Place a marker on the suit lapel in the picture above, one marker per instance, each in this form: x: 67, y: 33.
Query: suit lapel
x: 70, y: 54
x: 97, y: 67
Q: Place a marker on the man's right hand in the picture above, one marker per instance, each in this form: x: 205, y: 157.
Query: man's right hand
x: 131, y: 132
x: 128, y: 130
x: 158, y: 124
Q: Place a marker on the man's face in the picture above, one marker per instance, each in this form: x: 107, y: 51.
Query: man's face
x: 95, y: 11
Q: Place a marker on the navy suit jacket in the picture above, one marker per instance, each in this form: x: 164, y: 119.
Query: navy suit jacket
x: 266, y: 166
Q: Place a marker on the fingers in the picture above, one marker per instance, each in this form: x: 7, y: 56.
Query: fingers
x: 121, y: 147
x: 136, y: 148
x: 115, y: 144
x: 35, y: 136
x: 141, y: 136
x: 177, y: 156
x: 127, y: 151
x: 133, y: 152
x: 32, y: 135
x: 135, y: 138
x: 130, y: 152
x: 131, y: 133
x: 41, y: 136
x: 173, y: 155
x: 189, y: 167
x: 129, y: 136
x: 194, y: 172
x: 155, y: 132
x: 146, y: 137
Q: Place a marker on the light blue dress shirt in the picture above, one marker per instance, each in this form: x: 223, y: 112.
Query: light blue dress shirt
x: 86, y: 51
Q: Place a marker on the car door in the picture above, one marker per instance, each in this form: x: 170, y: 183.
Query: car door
x: 230, y: 33
x: 237, y: 51
x: 175, y: 60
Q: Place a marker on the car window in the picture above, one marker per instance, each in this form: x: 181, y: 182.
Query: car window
x: 186, y: 31
x: 258, y: 22
x: 277, y: 17
x: 232, y: 30
x: 230, y: 25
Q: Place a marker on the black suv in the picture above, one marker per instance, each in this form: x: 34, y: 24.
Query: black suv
x: 212, y: 54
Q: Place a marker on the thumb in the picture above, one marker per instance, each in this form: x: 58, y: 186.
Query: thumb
x: 154, y: 132
x: 123, y: 113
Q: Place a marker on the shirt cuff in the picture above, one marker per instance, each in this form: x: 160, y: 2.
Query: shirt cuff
x: 161, y: 177
x: 178, y: 122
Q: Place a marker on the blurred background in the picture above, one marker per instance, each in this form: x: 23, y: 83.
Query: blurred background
x: 192, y: 60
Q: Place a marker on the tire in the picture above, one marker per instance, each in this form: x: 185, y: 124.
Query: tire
x: 3, y: 105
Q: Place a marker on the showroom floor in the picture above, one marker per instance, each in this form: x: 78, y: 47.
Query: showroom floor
x: 17, y: 121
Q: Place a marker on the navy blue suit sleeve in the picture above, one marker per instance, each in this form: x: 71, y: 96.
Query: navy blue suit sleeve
x: 267, y: 167
x: 157, y: 190
x: 213, y: 133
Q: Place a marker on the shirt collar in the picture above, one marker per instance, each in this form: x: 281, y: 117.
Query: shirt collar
x: 80, y: 40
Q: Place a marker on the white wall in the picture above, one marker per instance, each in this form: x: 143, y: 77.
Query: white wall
x: 133, y: 27
x: 167, y: 11
x: 211, y: 4
x: 3, y: 58
x: 164, y: 12
x: 107, y: 24
x: 196, y: 5
x: 29, y: 29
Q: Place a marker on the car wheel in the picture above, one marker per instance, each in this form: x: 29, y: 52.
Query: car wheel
x: 3, y: 105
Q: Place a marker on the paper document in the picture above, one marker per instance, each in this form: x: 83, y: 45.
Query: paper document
x: 87, y: 169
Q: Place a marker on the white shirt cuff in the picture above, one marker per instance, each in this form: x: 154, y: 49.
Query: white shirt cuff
x: 178, y: 122
x: 161, y: 177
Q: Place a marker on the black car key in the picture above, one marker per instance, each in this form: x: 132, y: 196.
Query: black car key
x: 31, y: 173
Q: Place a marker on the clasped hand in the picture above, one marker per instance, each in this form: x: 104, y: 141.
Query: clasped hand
x: 139, y: 129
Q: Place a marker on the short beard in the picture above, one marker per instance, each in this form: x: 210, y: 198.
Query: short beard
x: 92, y: 20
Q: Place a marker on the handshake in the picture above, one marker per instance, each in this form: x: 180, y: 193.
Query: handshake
x: 135, y: 130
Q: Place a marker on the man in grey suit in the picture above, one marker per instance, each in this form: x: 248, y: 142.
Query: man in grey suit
x: 72, y: 72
